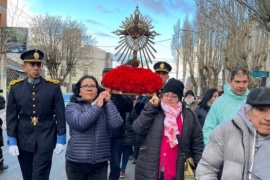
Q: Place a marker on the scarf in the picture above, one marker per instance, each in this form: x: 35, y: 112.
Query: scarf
x: 170, y: 125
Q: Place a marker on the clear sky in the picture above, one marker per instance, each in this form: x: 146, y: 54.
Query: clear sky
x: 101, y: 17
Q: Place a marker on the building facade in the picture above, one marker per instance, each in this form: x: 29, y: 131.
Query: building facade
x: 3, y: 13
x: 93, y: 65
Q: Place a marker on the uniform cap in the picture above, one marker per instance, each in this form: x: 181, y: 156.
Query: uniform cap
x: 34, y: 55
x: 259, y: 97
x: 162, y: 67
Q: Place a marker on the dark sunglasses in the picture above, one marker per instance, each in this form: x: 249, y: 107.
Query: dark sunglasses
x: 33, y: 64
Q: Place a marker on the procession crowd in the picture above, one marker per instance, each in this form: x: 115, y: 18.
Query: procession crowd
x: 170, y: 136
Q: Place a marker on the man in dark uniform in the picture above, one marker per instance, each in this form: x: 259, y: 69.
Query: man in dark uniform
x: 35, y: 119
x: 163, y: 69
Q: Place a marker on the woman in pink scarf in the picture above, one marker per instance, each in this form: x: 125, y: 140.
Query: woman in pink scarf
x: 173, y: 133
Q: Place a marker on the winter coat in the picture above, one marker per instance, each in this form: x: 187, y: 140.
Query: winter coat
x: 89, y: 137
x: 228, y: 148
x: 124, y: 105
x: 229, y: 152
x: 201, y: 114
x: 129, y: 132
x: 151, y: 123
x: 224, y: 108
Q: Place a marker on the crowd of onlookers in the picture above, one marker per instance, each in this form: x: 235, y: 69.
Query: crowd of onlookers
x: 223, y: 135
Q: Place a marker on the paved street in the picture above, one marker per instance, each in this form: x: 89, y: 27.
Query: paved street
x: 58, y: 165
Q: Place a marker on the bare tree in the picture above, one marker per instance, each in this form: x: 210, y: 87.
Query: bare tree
x: 175, y: 47
x: 260, y: 10
x: 62, y: 41
x: 16, y: 14
x: 188, y: 50
x: 238, y: 28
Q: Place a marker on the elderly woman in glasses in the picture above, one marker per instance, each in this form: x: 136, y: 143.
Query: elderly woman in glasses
x: 173, y: 134
x: 239, y: 148
x: 89, y: 115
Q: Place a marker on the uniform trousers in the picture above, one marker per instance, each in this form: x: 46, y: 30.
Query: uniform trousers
x: 35, y: 166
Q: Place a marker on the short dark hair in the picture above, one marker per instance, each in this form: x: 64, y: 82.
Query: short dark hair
x: 238, y: 71
x: 76, y: 88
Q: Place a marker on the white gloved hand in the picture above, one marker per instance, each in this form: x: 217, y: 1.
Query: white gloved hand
x: 13, y: 150
x: 59, y: 148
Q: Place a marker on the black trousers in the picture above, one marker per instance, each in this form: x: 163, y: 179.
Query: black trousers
x: 1, y: 156
x: 84, y: 171
x: 117, y: 145
x: 35, y: 166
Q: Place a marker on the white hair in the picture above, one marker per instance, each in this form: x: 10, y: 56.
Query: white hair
x: 248, y: 107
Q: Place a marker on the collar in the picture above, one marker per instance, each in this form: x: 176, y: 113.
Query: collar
x: 33, y: 81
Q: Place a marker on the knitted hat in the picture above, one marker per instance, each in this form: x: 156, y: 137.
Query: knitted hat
x: 259, y: 97
x: 174, y: 86
x: 190, y: 92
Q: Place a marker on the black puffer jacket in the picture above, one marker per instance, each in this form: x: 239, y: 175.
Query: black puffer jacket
x: 151, y: 122
x: 201, y: 114
x: 124, y: 105
x: 130, y: 135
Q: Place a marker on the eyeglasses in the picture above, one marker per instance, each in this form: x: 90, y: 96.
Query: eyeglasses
x: 33, y: 64
x: 173, y: 96
x: 85, y: 87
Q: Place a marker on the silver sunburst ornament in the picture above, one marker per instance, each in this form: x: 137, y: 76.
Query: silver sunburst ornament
x: 136, y: 42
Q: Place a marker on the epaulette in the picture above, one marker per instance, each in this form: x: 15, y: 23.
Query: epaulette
x: 55, y: 81
x: 13, y: 82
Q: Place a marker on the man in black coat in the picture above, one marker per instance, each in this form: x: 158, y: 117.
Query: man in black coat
x: 35, y: 119
x: 2, y: 106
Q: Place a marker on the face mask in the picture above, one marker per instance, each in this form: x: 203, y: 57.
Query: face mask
x: 209, y: 104
x: 189, y: 101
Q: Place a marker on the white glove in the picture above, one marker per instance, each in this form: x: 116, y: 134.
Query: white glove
x: 59, y: 148
x: 13, y: 150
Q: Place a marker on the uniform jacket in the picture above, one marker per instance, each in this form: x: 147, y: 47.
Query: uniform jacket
x: 43, y: 100
x: 151, y: 123
x: 224, y: 108
x: 89, y: 136
x: 228, y: 147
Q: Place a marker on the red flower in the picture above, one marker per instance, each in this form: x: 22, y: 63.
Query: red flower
x: 132, y: 80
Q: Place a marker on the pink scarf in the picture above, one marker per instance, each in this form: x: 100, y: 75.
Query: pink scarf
x: 170, y: 124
